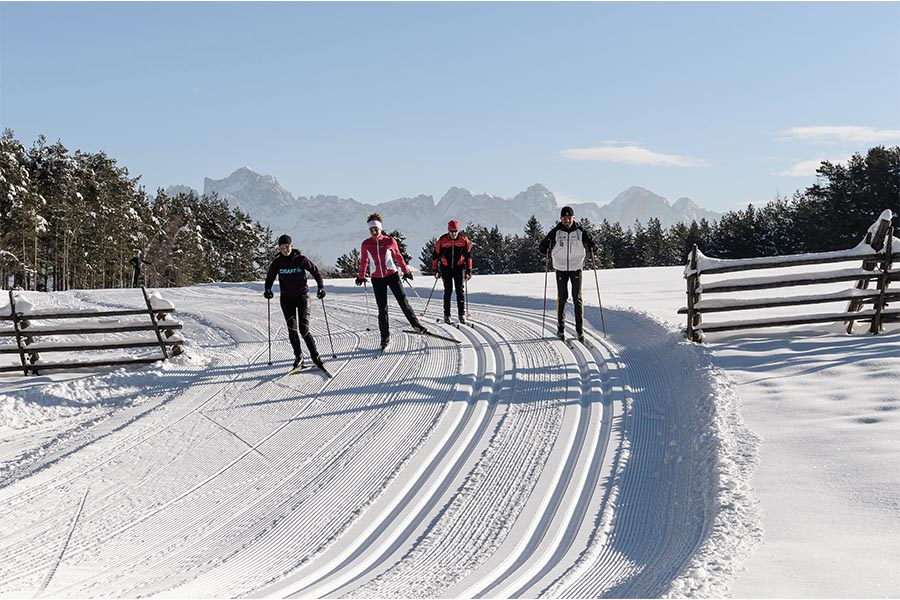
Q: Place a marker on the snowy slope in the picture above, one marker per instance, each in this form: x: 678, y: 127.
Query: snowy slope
x: 507, y: 465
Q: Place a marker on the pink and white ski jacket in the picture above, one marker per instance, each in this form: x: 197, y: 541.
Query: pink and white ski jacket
x: 381, y: 256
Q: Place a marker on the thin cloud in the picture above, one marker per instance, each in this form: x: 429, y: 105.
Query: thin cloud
x: 807, y: 168
x: 631, y: 155
x: 842, y: 133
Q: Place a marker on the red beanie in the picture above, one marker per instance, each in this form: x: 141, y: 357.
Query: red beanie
x: 453, y: 226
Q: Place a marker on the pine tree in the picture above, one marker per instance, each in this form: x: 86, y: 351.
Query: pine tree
x: 654, y: 251
x: 347, y: 265
x: 426, y: 256
x: 526, y: 255
x: 401, y: 245
x: 18, y: 204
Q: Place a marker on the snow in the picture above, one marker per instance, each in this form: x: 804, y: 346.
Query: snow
x: 706, y: 263
x: 158, y: 302
x: 761, y: 464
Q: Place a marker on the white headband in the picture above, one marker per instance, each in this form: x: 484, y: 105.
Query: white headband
x: 375, y: 224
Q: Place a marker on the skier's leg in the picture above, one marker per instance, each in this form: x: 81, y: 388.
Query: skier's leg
x: 379, y: 290
x: 562, y: 296
x: 303, y: 326
x: 460, y: 292
x: 578, y: 302
x: 447, y: 277
x: 397, y: 288
x: 289, y: 308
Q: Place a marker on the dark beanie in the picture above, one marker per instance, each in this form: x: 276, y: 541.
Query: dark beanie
x: 567, y: 212
x: 284, y: 239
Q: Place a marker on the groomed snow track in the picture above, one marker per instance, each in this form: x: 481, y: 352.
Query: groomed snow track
x: 510, y: 465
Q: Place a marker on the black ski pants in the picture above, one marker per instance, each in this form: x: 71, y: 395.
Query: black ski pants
x: 563, y: 278
x: 296, y: 315
x: 453, y: 277
x: 380, y: 287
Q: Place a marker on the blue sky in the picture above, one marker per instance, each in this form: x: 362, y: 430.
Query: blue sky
x: 726, y: 103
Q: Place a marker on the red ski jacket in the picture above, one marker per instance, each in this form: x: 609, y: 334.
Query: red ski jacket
x: 381, y: 256
x: 452, y: 254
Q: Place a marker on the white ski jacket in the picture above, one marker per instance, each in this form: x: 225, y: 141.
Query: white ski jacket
x: 569, y: 247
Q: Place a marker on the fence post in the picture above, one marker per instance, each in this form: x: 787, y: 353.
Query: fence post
x: 883, y: 282
x: 162, y: 344
x: 693, y: 282
x: 18, y: 330
x: 869, y: 265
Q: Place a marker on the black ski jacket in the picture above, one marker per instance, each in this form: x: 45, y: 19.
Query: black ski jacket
x: 291, y: 271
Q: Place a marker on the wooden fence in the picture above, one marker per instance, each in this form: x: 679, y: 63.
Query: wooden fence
x: 877, y: 253
x: 25, y: 330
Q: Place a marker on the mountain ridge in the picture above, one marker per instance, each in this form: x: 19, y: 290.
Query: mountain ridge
x: 329, y: 226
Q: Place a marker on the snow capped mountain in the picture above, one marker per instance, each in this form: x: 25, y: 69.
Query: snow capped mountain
x: 326, y: 227
x: 261, y: 196
x: 174, y: 190
x: 640, y: 204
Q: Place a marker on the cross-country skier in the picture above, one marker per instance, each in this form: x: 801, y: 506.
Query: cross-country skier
x: 380, y: 257
x: 292, y: 267
x: 569, y: 243
x: 452, y: 262
x: 137, y: 261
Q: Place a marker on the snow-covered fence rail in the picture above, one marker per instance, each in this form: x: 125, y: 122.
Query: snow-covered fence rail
x: 878, y: 252
x: 25, y: 328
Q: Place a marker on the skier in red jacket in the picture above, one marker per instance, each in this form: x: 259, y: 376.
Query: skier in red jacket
x: 380, y: 256
x: 452, y: 262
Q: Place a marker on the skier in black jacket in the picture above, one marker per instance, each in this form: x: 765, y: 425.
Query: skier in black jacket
x: 292, y: 267
x: 137, y: 261
x: 569, y: 243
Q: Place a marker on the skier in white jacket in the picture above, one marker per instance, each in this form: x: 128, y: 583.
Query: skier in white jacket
x: 569, y: 244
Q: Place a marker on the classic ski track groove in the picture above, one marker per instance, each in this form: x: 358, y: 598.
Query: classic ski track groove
x: 368, y: 550
x: 500, y: 467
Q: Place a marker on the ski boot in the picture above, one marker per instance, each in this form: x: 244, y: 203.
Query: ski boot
x: 447, y: 320
x: 462, y: 319
x: 298, y: 362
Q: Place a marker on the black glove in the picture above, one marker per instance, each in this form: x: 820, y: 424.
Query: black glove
x: 321, y: 293
x: 437, y: 274
x: 268, y: 294
x: 360, y: 280
x: 407, y: 276
x: 468, y: 275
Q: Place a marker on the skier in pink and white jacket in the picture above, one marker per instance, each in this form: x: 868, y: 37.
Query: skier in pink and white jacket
x: 380, y: 256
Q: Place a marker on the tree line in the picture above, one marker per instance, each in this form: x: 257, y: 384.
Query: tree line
x: 73, y: 220
x: 833, y: 214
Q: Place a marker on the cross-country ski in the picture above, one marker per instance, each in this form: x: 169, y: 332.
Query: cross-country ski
x: 433, y: 335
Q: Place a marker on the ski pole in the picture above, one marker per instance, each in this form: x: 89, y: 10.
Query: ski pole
x: 429, y: 298
x: 269, y: 307
x: 368, y: 316
x: 466, y: 285
x: 600, y: 302
x: 417, y: 293
x: 546, y: 270
x: 327, y: 328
